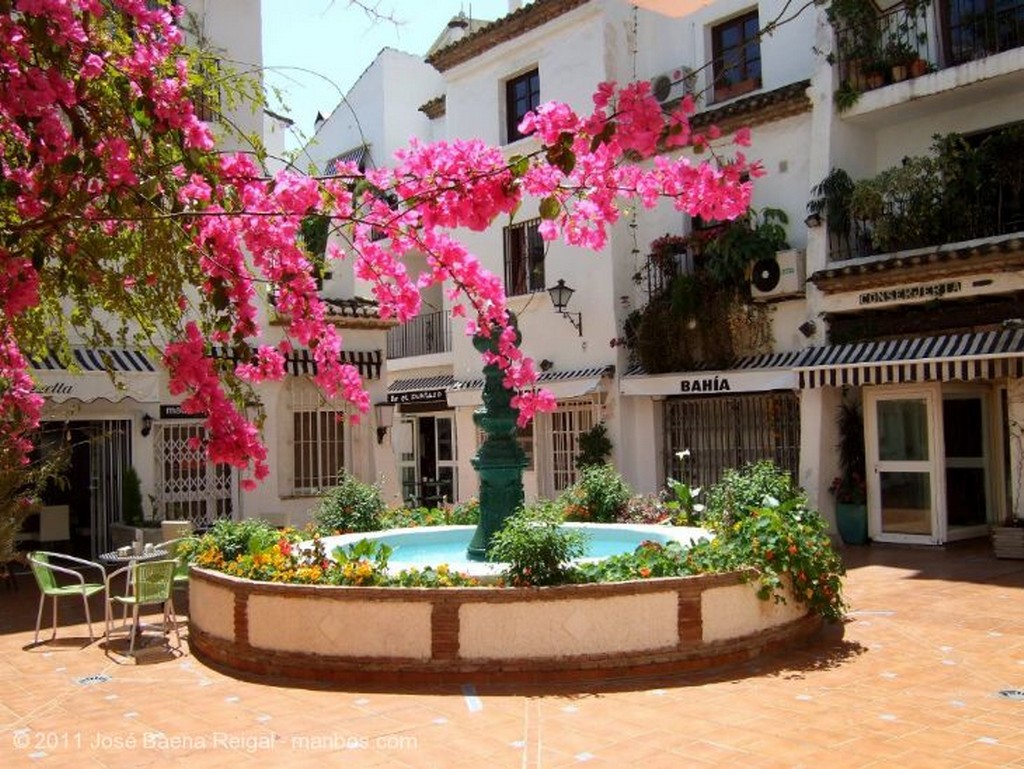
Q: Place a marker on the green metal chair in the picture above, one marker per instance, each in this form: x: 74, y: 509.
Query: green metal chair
x: 174, y: 550
x: 149, y: 582
x: 53, y: 569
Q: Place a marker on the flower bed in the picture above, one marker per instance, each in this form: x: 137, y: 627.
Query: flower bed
x: 386, y: 636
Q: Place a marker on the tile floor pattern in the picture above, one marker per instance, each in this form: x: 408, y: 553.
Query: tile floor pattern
x: 911, y: 680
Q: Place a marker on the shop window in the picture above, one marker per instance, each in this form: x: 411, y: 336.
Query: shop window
x: 724, y: 432
x: 318, y: 440
x: 736, y: 48
x: 524, y: 258
x: 522, y: 94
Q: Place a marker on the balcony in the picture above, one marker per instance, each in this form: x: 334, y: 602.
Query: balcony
x: 426, y: 334
x: 966, y: 188
x: 877, y: 49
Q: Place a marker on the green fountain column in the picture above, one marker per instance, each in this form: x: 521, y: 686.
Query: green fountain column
x: 500, y: 459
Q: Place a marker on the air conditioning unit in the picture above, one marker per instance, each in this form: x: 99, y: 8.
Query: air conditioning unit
x: 673, y: 85
x: 780, y: 276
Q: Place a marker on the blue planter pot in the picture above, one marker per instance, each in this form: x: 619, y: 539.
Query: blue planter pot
x: 852, y: 521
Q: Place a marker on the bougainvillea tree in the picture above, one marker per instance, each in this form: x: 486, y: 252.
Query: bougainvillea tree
x: 120, y: 223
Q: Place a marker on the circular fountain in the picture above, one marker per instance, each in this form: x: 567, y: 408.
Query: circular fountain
x: 397, y: 637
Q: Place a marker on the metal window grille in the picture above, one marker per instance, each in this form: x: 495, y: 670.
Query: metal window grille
x: 318, y: 440
x: 571, y: 420
x: 524, y: 258
x: 189, y: 486
x: 730, y: 432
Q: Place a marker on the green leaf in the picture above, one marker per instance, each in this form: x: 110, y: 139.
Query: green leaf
x: 550, y: 208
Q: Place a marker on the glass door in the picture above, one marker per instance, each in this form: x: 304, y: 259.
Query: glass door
x: 965, y: 421
x: 903, y: 485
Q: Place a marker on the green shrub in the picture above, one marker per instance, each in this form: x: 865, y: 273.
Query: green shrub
x: 600, y: 495
x: 464, y: 514
x: 361, y: 564
x: 537, y: 549
x: 789, y: 546
x: 350, y: 506
x: 430, y: 576
x: 650, y: 559
x: 595, y: 446
x: 131, y: 498
x: 754, y: 487
x: 235, y: 538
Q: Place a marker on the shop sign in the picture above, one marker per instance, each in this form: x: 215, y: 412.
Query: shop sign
x: 417, y: 396
x: 715, y: 384
x: 174, y: 411
x: 910, y: 293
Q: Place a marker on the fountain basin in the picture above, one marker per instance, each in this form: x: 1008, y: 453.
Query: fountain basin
x: 386, y: 637
x: 433, y: 546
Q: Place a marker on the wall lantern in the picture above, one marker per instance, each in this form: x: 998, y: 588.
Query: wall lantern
x: 385, y: 413
x: 560, y: 296
x: 147, y: 425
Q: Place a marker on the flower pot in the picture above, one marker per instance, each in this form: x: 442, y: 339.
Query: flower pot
x: 918, y: 67
x: 1008, y: 541
x: 899, y: 73
x: 875, y: 80
x: 852, y: 521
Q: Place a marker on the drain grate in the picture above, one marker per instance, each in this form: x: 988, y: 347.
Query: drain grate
x: 97, y: 678
x: 1012, y: 694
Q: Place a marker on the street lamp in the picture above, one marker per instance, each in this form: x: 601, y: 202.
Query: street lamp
x: 560, y: 296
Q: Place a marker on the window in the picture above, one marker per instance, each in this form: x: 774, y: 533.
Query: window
x: 318, y: 440
x: 206, y: 97
x: 524, y: 258
x: 522, y: 94
x: 737, y: 53
x: 724, y: 432
x: 558, y: 443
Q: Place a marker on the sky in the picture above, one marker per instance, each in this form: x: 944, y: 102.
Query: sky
x: 315, y: 50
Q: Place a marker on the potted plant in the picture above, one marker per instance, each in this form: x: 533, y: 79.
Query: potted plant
x: 849, y: 487
x: 899, y: 54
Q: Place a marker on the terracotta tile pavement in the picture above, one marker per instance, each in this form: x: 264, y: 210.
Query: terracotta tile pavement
x: 911, y: 679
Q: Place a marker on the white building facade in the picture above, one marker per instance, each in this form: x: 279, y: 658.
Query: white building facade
x: 920, y: 335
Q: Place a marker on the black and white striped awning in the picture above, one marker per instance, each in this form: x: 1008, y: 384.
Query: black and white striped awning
x: 97, y: 373
x: 965, y: 357
x: 301, y: 362
x: 753, y: 373
x: 564, y: 385
x: 420, y: 389
x: 98, y: 359
x: 368, y: 362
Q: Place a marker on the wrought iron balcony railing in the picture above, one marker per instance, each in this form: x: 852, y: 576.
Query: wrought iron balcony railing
x: 426, y: 334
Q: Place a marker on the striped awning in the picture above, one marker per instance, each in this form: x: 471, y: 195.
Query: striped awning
x: 97, y: 373
x: 98, y: 359
x: 300, y: 362
x: 420, y: 389
x: 368, y: 362
x: 965, y: 357
x: 754, y: 373
x: 572, y: 383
